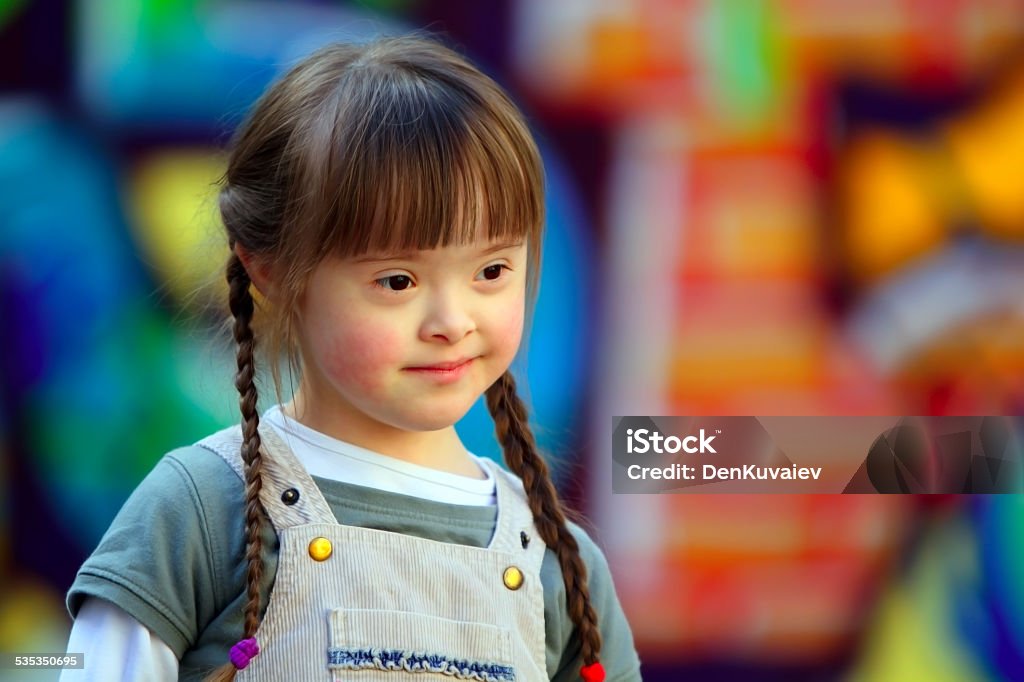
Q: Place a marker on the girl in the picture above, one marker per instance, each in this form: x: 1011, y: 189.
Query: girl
x: 385, y: 203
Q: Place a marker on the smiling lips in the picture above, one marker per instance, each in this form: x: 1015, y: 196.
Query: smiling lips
x: 445, y: 371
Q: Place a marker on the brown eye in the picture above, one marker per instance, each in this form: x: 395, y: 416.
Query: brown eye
x: 395, y: 282
x: 493, y: 271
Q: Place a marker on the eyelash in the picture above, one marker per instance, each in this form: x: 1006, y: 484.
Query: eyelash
x: 386, y: 283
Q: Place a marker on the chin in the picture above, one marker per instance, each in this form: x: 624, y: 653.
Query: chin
x: 433, y: 422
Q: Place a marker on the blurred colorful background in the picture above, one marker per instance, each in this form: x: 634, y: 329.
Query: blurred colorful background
x: 789, y: 207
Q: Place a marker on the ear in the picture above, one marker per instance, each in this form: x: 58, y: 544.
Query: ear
x: 259, y: 271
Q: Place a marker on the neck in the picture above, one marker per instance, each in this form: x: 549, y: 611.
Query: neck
x: 442, y: 450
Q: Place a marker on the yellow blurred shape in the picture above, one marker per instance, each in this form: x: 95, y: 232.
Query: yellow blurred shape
x: 620, y: 48
x: 32, y: 617
x: 913, y: 635
x: 988, y: 146
x: 764, y: 236
x: 709, y: 362
x: 891, y: 213
x: 177, y: 224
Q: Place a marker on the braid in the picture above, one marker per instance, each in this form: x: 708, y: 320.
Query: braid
x: 521, y: 454
x: 242, y: 307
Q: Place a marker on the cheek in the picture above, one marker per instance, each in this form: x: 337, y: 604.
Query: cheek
x: 356, y: 354
x: 508, y: 327
x: 512, y: 331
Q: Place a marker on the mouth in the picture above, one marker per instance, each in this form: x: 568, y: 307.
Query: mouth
x: 443, y: 373
x: 442, y: 366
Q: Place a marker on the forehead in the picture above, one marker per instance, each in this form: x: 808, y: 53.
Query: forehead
x: 418, y: 215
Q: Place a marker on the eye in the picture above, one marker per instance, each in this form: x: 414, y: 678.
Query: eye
x: 394, y: 282
x: 492, y: 272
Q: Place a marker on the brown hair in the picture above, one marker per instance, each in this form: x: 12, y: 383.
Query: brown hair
x: 390, y: 145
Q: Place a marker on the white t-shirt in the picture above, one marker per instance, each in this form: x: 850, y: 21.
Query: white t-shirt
x: 117, y: 647
x: 337, y: 460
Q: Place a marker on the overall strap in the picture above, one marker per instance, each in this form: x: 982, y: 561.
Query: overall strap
x: 514, y: 531
x: 289, y: 494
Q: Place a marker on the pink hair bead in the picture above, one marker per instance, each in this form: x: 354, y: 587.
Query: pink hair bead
x: 244, y: 651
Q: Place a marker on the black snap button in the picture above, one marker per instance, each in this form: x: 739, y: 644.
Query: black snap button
x: 290, y: 496
x: 524, y: 538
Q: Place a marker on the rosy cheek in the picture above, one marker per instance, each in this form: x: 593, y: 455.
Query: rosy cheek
x: 357, y: 356
x: 509, y: 329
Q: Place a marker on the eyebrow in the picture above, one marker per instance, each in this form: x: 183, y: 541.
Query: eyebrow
x: 411, y: 255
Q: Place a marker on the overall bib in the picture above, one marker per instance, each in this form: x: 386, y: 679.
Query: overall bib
x: 368, y: 605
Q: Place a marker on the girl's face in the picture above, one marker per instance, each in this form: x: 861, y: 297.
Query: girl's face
x: 410, y: 341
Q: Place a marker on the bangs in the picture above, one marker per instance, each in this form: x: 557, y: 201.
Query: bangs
x: 424, y: 160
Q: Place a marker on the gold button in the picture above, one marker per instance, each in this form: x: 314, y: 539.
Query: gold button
x: 320, y: 549
x: 513, y: 578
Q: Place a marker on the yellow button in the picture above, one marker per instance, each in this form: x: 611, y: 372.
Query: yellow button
x: 513, y: 578
x: 320, y: 549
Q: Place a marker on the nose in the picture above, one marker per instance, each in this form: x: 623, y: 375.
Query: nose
x: 448, y: 319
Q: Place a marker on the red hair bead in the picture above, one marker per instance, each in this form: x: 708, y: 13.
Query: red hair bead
x: 593, y: 672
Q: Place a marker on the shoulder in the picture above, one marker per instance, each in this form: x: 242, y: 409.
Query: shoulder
x: 590, y: 552
x: 191, y: 484
x: 563, y: 645
x: 157, y: 560
x: 185, y: 482
x: 599, y: 577
x: 201, y: 468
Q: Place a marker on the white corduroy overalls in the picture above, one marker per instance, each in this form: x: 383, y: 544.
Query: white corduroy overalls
x: 359, y: 604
